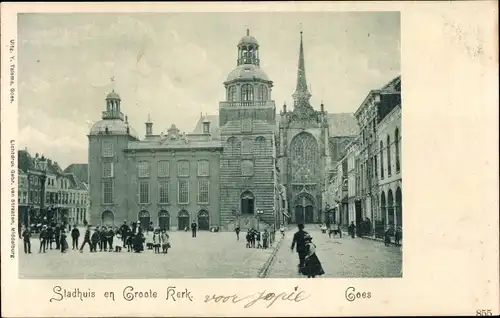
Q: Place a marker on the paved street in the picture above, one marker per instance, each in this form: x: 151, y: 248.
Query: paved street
x: 210, y: 255
x: 341, y: 257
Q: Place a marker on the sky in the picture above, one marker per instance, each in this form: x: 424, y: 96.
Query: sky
x: 173, y: 65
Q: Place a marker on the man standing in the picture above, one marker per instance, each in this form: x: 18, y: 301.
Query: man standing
x: 237, y: 230
x: 27, y: 240
x: 86, y: 239
x: 43, y: 239
x: 124, y: 232
x: 75, y: 234
x: 194, y: 226
x: 299, y: 240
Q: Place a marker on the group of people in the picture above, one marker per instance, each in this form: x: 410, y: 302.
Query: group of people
x: 102, y: 238
x: 53, y: 233
x: 257, y: 239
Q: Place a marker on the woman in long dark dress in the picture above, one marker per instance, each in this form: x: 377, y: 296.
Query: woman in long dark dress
x: 312, y: 265
x: 138, y: 242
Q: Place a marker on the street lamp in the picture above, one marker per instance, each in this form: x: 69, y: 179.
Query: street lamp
x: 259, y: 213
x: 42, y: 166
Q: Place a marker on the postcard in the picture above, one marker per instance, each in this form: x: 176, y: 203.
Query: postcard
x: 247, y: 159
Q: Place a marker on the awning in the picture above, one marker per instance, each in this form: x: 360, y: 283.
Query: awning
x: 286, y: 214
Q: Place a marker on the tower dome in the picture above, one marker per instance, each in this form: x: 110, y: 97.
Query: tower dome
x: 248, y: 39
x: 113, y: 95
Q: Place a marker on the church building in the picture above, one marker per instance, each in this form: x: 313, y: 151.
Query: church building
x: 249, y: 165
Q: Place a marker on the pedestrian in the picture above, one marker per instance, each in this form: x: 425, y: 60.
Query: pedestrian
x: 323, y: 228
x: 249, y: 239
x: 138, y: 241
x: 149, y: 240
x: 397, y: 236
x: 69, y: 228
x: 130, y: 239
x: 63, y: 243
x: 194, y: 226
x: 124, y: 232
x: 253, y: 236
x: 103, y: 239
x: 157, y: 241
x: 352, y: 229
x: 265, y: 239
x: 258, y: 238
x: 312, y: 265
x: 43, y: 239
x: 26, y: 235
x: 50, y: 236
x: 86, y: 239
x: 299, y: 242
x: 75, y: 234
x: 387, y: 236
x: 110, y: 234
x: 339, y: 230
x: 165, y: 239
x: 282, y: 230
x: 237, y: 230
x: 57, y: 236
x: 95, y: 240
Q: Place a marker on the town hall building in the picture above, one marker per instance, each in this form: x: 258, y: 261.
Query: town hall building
x: 249, y: 165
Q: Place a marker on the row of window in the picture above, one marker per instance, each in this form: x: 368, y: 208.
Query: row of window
x: 163, y: 169
x: 247, y: 93
x: 388, y: 150
x: 52, y: 198
x: 183, y: 193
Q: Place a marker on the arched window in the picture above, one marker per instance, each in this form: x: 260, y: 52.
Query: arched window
x: 396, y: 147
x: 304, y: 155
x: 246, y: 146
x: 262, y: 93
x: 246, y: 92
x: 388, y: 155
x: 381, y: 160
x: 231, y: 93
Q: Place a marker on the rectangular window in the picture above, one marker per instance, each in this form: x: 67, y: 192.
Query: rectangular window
x: 143, y: 169
x: 183, y: 191
x: 203, y: 168
x: 107, y: 170
x: 163, y: 168
x: 107, y: 149
x: 203, y: 191
x: 143, y: 192
x: 183, y: 168
x: 163, y: 192
x: 107, y: 190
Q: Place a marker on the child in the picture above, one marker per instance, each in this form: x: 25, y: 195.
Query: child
x: 249, y: 239
x: 157, y: 240
x: 282, y: 230
x: 312, y: 265
x: 165, y: 241
x: 257, y: 234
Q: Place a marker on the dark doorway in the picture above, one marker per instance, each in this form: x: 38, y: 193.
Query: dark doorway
x: 164, y: 220
x: 183, y: 220
x: 247, y: 203
x: 203, y: 220
x: 359, y: 212
x: 108, y: 218
x: 144, y: 218
x: 299, y: 215
x: 309, y: 214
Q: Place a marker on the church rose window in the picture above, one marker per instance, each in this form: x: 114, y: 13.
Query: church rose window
x: 304, y: 153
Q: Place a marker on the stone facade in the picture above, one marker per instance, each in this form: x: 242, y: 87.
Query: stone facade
x: 265, y: 168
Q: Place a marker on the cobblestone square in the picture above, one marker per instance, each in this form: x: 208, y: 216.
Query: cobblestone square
x: 209, y: 255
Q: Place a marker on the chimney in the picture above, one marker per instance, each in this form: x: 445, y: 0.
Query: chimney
x: 322, y: 107
x: 149, y: 126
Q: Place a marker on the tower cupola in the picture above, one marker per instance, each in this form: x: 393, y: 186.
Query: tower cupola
x: 112, y: 111
x: 248, y: 50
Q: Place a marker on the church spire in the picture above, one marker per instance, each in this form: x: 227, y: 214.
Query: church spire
x: 301, y: 95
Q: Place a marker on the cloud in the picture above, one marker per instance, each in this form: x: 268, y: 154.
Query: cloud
x: 173, y: 69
